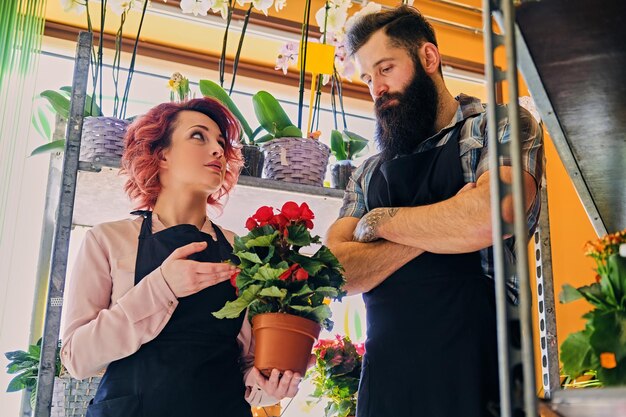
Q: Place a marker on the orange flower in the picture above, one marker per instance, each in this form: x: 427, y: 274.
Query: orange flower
x: 607, y: 360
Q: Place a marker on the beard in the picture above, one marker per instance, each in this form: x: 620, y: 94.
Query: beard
x: 402, y: 125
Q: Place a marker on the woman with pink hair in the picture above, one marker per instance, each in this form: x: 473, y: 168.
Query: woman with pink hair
x: 141, y: 294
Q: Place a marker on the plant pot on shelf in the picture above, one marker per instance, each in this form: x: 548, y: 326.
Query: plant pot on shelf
x: 296, y: 160
x: 102, y: 138
x: 283, y: 342
x: 340, y: 173
x: 253, y: 161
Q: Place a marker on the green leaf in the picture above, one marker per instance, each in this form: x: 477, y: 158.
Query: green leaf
x: 267, y: 273
x: 310, y: 265
x: 273, y: 292
x: 325, y: 255
x: 233, y: 309
x: 338, y: 146
x: 54, y: 146
x: 40, y: 123
x: 58, y: 101
x: 249, y: 256
x: 569, y: 294
x: 264, y: 138
x: 94, y: 111
x: 617, y: 275
x: 299, y: 235
x: 319, y: 314
x: 16, y: 384
x: 262, y: 241
x: 356, y: 144
x: 609, y: 333
x: 329, y: 292
x: 289, y: 132
x: 210, y: 89
x: 576, y: 354
x: 270, y: 113
x: 304, y: 291
x: 593, y: 294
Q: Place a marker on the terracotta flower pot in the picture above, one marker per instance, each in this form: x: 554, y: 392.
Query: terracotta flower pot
x: 283, y: 341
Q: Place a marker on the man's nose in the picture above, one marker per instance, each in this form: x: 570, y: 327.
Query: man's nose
x: 378, y: 88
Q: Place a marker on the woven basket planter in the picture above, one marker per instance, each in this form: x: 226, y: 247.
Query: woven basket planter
x: 71, y: 396
x: 296, y: 160
x: 103, y: 137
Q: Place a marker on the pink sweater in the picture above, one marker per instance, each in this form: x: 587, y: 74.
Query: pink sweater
x: 107, y: 317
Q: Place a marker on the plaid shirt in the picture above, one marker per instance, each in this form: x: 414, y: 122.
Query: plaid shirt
x: 474, y: 154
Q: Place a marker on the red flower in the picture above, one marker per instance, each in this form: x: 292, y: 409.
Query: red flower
x: 308, y: 224
x: 285, y: 275
x: 251, y: 223
x: 264, y: 214
x: 233, y: 278
x: 360, y: 348
x: 279, y: 221
x: 301, y: 274
x: 305, y: 212
x: 291, y: 210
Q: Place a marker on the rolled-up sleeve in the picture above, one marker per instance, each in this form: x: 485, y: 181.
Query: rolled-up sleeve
x: 354, y: 204
x: 96, y: 331
x: 254, y: 394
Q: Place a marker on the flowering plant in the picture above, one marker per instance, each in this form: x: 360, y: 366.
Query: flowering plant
x: 121, y: 8
x: 336, y: 374
x: 179, y: 88
x: 601, y: 346
x: 274, y: 277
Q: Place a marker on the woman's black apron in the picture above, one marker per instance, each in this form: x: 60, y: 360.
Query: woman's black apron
x: 192, y: 367
x: 431, y: 345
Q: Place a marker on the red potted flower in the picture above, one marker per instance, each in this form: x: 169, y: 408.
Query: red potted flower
x: 285, y: 292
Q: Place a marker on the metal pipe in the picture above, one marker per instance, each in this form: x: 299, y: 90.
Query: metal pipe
x: 58, y: 268
x: 458, y: 5
x: 492, y: 41
x: 519, y: 210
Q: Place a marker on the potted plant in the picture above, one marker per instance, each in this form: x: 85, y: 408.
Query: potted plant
x: 281, y: 153
x: 102, y: 136
x: 601, y: 346
x: 26, y: 365
x: 336, y: 375
x: 345, y: 146
x: 284, y: 291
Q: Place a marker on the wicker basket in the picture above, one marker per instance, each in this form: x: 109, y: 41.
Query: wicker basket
x: 297, y: 160
x: 103, y: 137
x: 71, y: 396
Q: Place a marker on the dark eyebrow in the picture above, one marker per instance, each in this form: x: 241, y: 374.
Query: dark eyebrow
x: 377, y: 63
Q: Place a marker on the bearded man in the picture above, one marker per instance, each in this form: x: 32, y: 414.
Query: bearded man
x: 415, y: 234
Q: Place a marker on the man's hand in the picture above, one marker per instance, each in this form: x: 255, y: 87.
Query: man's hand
x: 367, y: 228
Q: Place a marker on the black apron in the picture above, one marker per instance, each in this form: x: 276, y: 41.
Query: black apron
x: 192, y: 367
x: 431, y: 326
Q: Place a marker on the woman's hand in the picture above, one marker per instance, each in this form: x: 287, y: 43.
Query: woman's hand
x: 277, y: 386
x: 186, y: 277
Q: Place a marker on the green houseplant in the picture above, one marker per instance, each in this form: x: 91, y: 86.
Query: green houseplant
x: 601, y: 346
x: 25, y: 364
x: 336, y: 375
x: 345, y: 146
x: 277, y: 283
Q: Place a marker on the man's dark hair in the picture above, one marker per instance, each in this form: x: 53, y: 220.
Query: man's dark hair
x: 405, y: 26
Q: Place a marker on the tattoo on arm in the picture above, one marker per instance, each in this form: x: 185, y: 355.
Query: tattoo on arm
x: 366, y: 230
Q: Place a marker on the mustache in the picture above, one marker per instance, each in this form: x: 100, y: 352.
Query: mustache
x: 386, y: 98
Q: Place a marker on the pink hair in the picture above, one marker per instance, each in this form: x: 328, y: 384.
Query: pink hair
x: 150, y: 134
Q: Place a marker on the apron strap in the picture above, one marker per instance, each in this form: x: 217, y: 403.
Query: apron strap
x: 146, y: 225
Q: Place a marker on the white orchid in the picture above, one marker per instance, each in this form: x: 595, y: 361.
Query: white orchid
x: 121, y: 6
x: 280, y: 4
x: 261, y: 5
x: 197, y: 7
x: 336, y: 18
x: 370, y: 8
x: 287, y: 55
x: 221, y: 7
x: 73, y: 6
x: 622, y: 250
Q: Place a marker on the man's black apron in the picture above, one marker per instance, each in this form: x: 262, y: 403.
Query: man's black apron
x: 192, y: 367
x: 431, y: 345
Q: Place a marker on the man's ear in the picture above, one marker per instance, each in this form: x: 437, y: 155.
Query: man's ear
x: 431, y: 59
